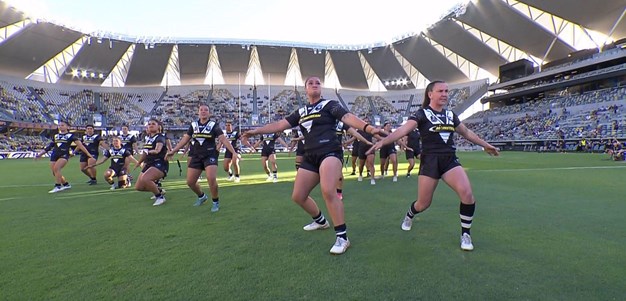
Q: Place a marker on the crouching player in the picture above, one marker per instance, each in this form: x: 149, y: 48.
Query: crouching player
x: 119, y: 164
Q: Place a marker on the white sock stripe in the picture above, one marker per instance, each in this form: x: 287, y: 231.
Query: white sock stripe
x: 466, y: 218
x: 341, y: 233
x: 466, y: 225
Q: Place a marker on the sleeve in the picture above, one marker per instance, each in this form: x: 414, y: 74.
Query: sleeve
x: 336, y: 109
x: 217, y: 131
x: 73, y: 138
x: 49, y: 147
x: 127, y: 153
x: 133, y: 139
x: 107, y: 153
x: 419, y: 116
x: 190, y: 131
x: 293, y: 118
x: 455, y: 119
x: 161, y: 139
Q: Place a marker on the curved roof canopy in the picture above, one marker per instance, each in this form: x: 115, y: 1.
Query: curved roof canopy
x: 470, y: 43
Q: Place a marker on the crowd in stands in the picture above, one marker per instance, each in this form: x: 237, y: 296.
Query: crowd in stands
x: 458, y: 96
x: 22, y: 143
x: 595, y: 114
x: 178, y: 109
x: 543, y: 83
x: 282, y: 105
x: 18, y: 103
x: 596, y: 56
x: 125, y: 108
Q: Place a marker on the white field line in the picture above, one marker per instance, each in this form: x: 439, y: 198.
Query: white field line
x: 547, y: 169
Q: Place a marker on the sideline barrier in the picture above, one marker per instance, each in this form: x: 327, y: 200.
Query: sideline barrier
x: 20, y: 155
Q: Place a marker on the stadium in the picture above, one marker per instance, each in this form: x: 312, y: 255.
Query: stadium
x: 544, y: 81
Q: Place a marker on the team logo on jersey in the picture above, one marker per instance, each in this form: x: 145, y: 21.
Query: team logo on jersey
x: 126, y: 139
x: 149, y: 142
x: 231, y: 136
x: 62, y: 138
x: 89, y: 139
x: 442, y: 124
x: 201, y: 132
x: 267, y: 138
x: 307, y: 114
x: 116, y: 155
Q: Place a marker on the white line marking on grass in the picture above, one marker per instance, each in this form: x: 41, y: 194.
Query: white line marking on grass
x: 548, y: 169
x: 62, y: 195
x: 30, y: 185
x: 7, y: 199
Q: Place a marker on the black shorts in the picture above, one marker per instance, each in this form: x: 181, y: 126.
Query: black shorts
x: 84, y: 158
x: 161, y: 165
x: 434, y: 166
x: 55, y: 156
x: 414, y: 153
x: 300, y: 150
x: 229, y: 155
x: 312, y: 162
x: 411, y: 154
x: 119, y: 170
x: 387, y: 150
x: 202, y: 163
x: 266, y: 152
x: 363, y: 148
x: 355, y: 151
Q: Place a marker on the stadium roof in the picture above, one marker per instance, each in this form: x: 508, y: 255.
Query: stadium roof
x: 470, y: 43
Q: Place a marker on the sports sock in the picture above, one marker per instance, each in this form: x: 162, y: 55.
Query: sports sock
x: 320, y: 219
x: 412, y: 212
x: 466, y: 214
x: 341, y: 231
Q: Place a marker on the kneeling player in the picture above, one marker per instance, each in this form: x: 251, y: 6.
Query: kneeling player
x: 119, y: 164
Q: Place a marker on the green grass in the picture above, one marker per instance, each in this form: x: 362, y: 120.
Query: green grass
x: 542, y: 231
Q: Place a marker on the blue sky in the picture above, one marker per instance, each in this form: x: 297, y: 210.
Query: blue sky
x: 321, y: 21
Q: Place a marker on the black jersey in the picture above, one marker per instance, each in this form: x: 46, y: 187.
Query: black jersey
x: 128, y: 141
x: 369, y: 137
x: 118, y: 156
x: 318, y: 122
x: 233, y: 137
x: 150, y: 143
x: 203, y: 138
x: 269, y: 141
x: 61, y: 144
x: 413, y: 139
x: 92, y: 143
x: 340, y: 130
x: 437, y: 130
